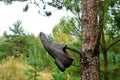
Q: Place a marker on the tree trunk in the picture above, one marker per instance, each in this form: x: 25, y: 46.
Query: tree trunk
x: 35, y: 73
x: 90, y: 41
x: 105, y: 64
x: 105, y: 60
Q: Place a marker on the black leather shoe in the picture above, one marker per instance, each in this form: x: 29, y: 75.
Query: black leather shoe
x: 57, y: 51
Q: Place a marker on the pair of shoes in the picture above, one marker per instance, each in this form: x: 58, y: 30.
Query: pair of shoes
x: 57, y: 51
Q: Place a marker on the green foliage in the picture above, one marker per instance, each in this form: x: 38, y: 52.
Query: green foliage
x: 111, y: 33
x: 66, y: 75
x: 68, y: 31
x: 57, y: 75
x: 111, y: 18
x: 65, y: 32
x: 73, y: 6
x: 114, y: 67
x: 16, y: 43
x: 17, y: 30
x: 35, y: 60
x: 69, y: 26
x: 57, y: 4
x: 19, y: 43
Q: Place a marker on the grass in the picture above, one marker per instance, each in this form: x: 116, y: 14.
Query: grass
x: 46, y: 75
x: 13, y: 69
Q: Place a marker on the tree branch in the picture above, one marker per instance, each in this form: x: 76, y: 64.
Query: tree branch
x: 19, y: 0
x: 101, y: 46
x: 74, y: 50
x: 112, y: 44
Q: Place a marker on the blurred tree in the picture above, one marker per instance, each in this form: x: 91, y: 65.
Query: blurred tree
x: 35, y: 61
x: 16, y: 43
x: 110, y: 32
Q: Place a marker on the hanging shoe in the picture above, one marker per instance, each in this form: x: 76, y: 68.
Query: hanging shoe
x: 57, y: 51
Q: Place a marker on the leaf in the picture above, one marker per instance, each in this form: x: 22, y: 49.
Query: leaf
x: 25, y: 9
x: 59, y: 7
x: 48, y: 13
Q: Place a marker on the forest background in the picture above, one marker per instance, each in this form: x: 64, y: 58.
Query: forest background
x: 22, y: 56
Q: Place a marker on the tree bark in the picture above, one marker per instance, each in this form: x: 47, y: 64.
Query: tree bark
x: 90, y: 41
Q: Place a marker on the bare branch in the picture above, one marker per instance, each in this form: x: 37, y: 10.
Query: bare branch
x: 112, y: 44
x: 74, y: 50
